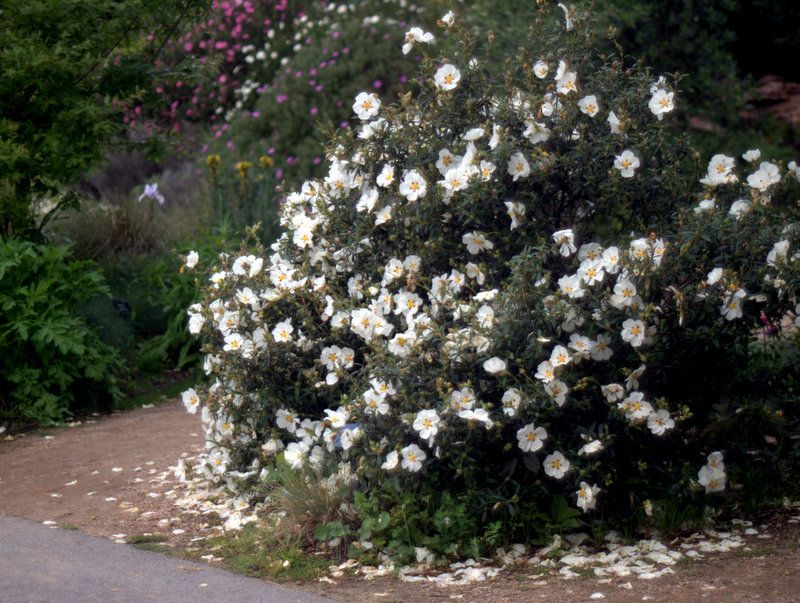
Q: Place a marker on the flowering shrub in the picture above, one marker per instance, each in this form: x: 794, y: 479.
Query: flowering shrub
x: 238, y: 42
x: 508, y: 296
x: 317, y: 85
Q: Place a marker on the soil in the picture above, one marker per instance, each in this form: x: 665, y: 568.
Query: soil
x: 124, y: 456
x: 146, y: 442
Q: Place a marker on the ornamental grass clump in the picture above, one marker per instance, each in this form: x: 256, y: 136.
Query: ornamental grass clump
x: 510, y: 309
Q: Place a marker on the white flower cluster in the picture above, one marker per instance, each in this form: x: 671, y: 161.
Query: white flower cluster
x: 712, y: 475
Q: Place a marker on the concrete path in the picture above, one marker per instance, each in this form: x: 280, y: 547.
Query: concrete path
x: 38, y: 563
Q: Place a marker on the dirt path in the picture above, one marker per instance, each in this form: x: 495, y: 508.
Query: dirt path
x: 108, y: 477
x: 111, y: 478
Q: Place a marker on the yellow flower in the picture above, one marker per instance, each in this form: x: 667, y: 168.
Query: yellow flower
x: 213, y: 161
x: 266, y: 162
x: 242, y: 167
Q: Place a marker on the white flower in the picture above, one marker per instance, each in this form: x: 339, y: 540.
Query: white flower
x: 545, y: 372
x: 374, y: 403
x: 739, y: 208
x: 233, y: 342
x: 191, y: 400
x: 659, y: 422
x: 536, y: 132
x: 368, y: 199
x: 495, y: 139
x: 587, y: 497
x: 613, y: 392
x: 286, y: 419
x: 636, y: 407
x: 614, y: 123
x: 540, y: 69
x: 557, y: 390
x: 711, y: 478
x: 560, y: 356
x: 565, y: 239
x: 413, y: 186
x: 794, y: 169
x: 494, y: 366
x: 705, y: 206
x: 626, y: 162
x: 751, y: 155
x: 566, y: 81
x: 714, y: 276
x: 391, y: 461
x: 386, y: 177
x: 295, y: 454
x: 416, y: 35
x: 474, y: 134
x: 556, y: 465
x: 448, y: 19
x: 511, y: 401
x: 731, y: 307
x: 427, y: 424
x: 601, y: 350
x: 283, y: 331
x: 719, y: 171
x: 446, y: 161
x: 476, y: 242
x: 366, y: 105
x: 611, y: 260
x: 530, y: 438
x: 413, y: 456
x: 778, y: 253
x: 461, y: 399
x: 516, y: 211
x: 591, y: 447
x: 518, y: 166
x: 383, y: 216
x: 588, y: 105
x: 191, y: 259
x: 766, y: 175
x: 624, y: 293
x: 567, y: 16
x: 633, y: 331
x: 447, y: 77
x: 479, y: 415
x: 661, y: 103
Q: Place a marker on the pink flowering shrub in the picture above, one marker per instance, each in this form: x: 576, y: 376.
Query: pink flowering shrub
x: 509, y: 308
x: 239, y: 41
x: 316, y: 86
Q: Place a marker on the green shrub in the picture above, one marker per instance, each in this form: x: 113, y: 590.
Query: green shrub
x: 54, y: 363
x: 502, y: 303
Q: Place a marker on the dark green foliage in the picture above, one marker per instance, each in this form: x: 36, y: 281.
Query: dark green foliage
x: 68, y: 68
x: 54, y: 363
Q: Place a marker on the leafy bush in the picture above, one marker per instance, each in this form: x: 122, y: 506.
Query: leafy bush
x: 69, y: 72
x: 54, y: 363
x: 509, y: 296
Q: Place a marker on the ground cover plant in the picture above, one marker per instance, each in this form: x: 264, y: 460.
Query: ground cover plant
x: 516, y: 305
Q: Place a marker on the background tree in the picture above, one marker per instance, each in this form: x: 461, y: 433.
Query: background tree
x: 69, y: 70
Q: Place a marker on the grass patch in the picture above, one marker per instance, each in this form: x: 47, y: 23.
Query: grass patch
x: 68, y: 526
x: 154, y: 547
x: 146, y: 538
x: 256, y: 552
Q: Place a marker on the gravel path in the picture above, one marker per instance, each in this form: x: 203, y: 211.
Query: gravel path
x: 43, y: 564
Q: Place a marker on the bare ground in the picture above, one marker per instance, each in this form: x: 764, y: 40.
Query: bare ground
x: 144, y: 443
